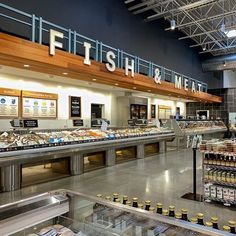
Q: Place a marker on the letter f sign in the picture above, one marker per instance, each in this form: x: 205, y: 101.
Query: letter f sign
x: 53, y: 42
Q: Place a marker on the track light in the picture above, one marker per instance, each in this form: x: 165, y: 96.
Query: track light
x: 172, y: 24
x: 204, y: 47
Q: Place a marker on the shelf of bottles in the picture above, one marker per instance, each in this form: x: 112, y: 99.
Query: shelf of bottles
x: 219, y: 171
x: 181, y: 215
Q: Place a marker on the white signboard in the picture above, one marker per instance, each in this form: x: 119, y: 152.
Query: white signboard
x: 9, y: 106
x: 39, y: 108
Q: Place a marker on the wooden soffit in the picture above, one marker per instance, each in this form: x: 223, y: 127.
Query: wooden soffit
x: 16, y: 52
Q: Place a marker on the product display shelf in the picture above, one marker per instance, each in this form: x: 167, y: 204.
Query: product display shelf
x: 75, y: 214
x: 219, y: 176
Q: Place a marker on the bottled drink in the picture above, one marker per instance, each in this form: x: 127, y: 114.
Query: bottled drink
x: 135, y: 202
x: 140, y: 206
x: 184, y: 214
x: 214, y: 221
x: 159, y: 208
x: 209, y: 224
x: 226, y: 228
x: 115, y: 196
x: 200, y: 217
x: 172, y: 211
x: 147, y: 205
x: 125, y: 199
x: 232, y: 225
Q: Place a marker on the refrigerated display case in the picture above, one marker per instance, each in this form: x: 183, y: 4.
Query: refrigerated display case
x: 75, y: 214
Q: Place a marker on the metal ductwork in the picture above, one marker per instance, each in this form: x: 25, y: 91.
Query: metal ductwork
x: 226, y: 62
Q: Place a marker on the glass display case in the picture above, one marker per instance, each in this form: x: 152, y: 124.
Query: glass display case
x: 192, y: 127
x: 74, y: 214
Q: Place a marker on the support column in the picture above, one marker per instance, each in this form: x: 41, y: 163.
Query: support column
x: 140, y: 151
x: 76, y: 164
x: 110, y: 157
x: 10, y: 178
x: 162, y: 146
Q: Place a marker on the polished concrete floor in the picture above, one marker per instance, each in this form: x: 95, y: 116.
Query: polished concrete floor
x: 163, y: 178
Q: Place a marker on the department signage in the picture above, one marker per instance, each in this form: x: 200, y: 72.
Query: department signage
x: 129, y: 66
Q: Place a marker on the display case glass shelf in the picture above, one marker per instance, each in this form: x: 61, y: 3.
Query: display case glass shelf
x: 85, y: 215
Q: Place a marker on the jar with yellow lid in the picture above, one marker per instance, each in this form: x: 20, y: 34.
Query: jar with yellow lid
x: 226, y: 228
x: 232, y: 225
x: 165, y: 212
x: 172, y: 211
x: 193, y: 220
x: 159, y: 208
x: 214, y: 221
x: 115, y: 196
x: 200, y: 217
x: 184, y: 214
x: 128, y: 203
x: 118, y: 200
x: 178, y: 215
x: 99, y: 195
x: 108, y: 198
x: 140, y: 205
x: 147, y: 205
x: 151, y: 209
x: 135, y: 202
x: 209, y: 224
x: 125, y: 199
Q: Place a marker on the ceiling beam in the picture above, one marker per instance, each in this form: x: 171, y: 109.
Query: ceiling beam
x: 180, y: 8
x: 129, y: 1
x: 218, y: 49
x: 203, y: 20
x: 145, y: 3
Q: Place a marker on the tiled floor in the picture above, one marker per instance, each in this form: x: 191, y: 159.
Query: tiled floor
x: 163, y: 178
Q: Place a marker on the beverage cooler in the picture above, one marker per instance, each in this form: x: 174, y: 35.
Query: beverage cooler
x: 65, y: 212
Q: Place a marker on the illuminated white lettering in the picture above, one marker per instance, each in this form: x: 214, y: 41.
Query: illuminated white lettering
x: 157, y: 76
x: 53, y: 43
x: 129, y: 67
x: 87, y: 47
x: 110, y: 65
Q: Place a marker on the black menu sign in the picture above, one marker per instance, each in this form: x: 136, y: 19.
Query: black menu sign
x: 75, y: 107
x: 78, y: 122
x: 30, y: 123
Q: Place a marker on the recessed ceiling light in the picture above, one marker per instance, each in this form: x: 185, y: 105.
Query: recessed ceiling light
x: 134, y: 87
x: 26, y: 65
x: 224, y: 63
x: 116, y: 84
x: 94, y: 79
x: 65, y: 73
x: 149, y: 90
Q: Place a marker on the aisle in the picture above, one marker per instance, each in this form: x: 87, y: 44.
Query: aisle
x: 163, y: 178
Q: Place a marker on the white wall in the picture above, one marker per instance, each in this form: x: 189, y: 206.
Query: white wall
x: 87, y: 95
x: 229, y: 79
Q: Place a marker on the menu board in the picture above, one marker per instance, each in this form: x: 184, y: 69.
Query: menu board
x: 9, y: 106
x: 75, y: 107
x: 39, y: 108
x: 153, y: 111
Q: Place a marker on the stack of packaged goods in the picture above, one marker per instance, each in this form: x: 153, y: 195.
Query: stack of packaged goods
x: 219, y: 166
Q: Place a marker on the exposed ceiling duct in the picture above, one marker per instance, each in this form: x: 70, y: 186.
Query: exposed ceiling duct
x: 227, y: 62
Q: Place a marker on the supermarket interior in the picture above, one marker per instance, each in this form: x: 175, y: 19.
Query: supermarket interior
x: 117, y: 118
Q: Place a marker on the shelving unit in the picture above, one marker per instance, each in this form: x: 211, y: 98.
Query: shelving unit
x: 219, y: 180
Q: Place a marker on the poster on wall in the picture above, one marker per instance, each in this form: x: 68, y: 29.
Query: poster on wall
x: 9, y: 103
x: 9, y: 106
x: 37, y: 107
x: 153, y: 111
x: 75, y: 107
